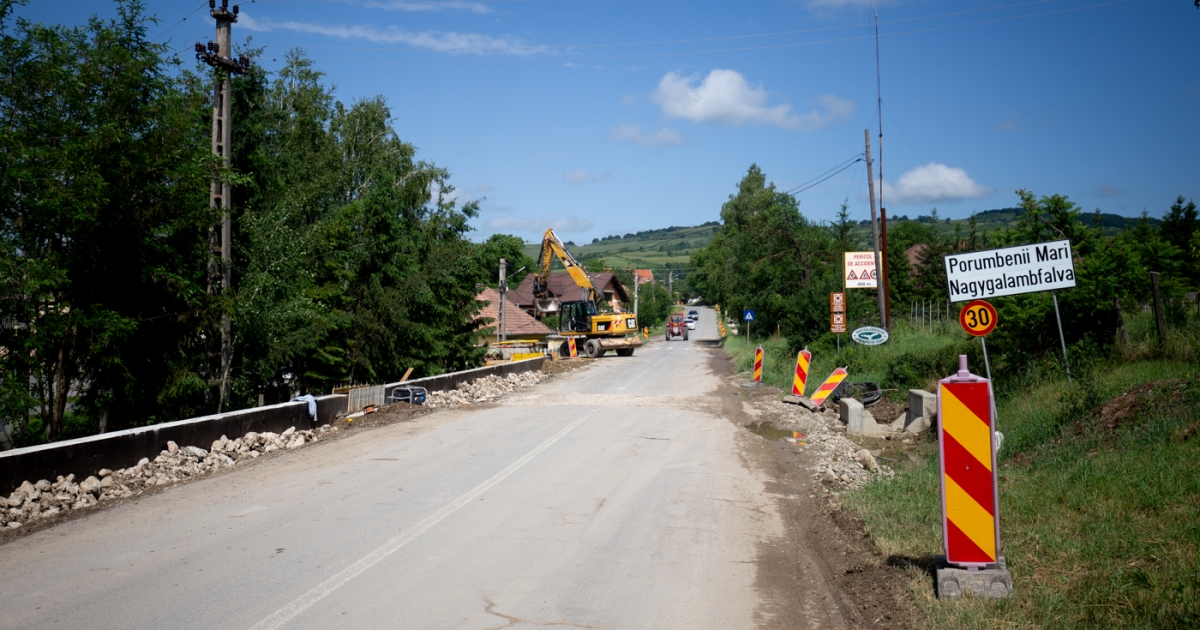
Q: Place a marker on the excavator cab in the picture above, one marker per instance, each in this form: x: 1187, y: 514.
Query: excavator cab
x: 576, y: 316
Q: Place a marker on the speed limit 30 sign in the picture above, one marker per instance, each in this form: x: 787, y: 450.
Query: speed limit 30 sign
x: 978, y: 318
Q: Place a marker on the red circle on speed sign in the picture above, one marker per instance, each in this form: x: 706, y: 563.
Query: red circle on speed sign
x: 978, y: 318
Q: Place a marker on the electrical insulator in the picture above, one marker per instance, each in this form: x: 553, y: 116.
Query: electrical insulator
x: 225, y: 4
x: 212, y: 4
x: 235, y: 9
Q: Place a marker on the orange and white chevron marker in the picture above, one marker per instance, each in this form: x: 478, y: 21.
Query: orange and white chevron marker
x: 801, y: 378
x: 571, y: 345
x: 758, y: 360
x: 828, y: 386
x: 966, y: 445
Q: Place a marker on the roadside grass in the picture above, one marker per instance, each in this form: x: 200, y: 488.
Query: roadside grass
x: 1099, y: 504
x: 1099, y: 479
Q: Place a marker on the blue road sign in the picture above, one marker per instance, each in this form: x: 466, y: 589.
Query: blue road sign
x: 748, y: 315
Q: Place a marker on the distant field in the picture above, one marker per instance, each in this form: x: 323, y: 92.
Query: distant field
x: 673, y: 247
x: 651, y: 249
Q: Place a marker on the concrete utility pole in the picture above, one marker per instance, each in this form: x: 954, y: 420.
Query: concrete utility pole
x: 220, y: 274
x: 503, y: 297
x: 875, y: 231
x: 637, y: 282
x: 671, y: 285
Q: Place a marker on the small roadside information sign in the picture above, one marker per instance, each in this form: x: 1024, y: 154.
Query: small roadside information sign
x: 837, y: 323
x: 858, y: 270
x: 837, y: 302
x: 1010, y: 271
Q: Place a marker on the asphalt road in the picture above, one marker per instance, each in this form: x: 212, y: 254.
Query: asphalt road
x: 614, y: 496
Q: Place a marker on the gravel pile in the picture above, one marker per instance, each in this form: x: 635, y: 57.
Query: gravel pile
x: 840, y: 462
x: 41, y: 500
x: 483, y: 389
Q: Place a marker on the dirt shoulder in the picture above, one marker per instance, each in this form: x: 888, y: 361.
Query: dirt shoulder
x: 824, y: 572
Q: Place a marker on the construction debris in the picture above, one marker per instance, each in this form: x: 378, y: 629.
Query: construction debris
x: 43, y: 500
x: 483, y: 389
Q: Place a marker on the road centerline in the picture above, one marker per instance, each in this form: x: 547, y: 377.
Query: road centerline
x: 317, y: 593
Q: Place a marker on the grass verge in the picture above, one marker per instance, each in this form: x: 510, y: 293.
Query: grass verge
x: 1099, y: 484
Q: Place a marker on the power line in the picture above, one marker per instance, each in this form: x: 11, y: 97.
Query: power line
x: 533, y: 49
x: 841, y: 166
x: 181, y: 21
x: 914, y: 152
x: 691, y: 40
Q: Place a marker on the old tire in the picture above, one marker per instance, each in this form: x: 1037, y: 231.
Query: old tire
x: 624, y: 352
x: 592, y: 349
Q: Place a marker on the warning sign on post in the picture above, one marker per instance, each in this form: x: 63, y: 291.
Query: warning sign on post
x: 1010, y: 271
x: 858, y: 271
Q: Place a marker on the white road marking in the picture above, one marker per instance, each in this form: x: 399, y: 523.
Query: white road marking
x: 317, y: 593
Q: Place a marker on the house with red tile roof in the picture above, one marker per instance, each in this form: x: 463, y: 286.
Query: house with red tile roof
x: 518, y: 323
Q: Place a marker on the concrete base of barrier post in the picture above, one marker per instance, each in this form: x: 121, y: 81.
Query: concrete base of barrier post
x: 857, y: 420
x: 803, y: 401
x: 993, y: 582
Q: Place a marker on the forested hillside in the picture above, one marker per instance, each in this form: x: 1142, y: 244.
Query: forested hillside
x: 351, y: 262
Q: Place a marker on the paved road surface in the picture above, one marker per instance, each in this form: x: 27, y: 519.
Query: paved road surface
x: 612, y: 497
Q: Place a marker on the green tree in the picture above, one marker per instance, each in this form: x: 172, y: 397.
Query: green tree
x: 103, y: 225
x: 1178, y: 227
x: 768, y: 257
x: 354, y: 263
x: 508, y: 247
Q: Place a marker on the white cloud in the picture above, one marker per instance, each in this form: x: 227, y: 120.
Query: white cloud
x: 451, y: 42
x: 931, y: 183
x: 579, y: 176
x: 628, y: 99
x: 725, y: 97
x: 565, y: 223
x: 1109, y: 191
x: 633, y: 134
x: 435, y: 7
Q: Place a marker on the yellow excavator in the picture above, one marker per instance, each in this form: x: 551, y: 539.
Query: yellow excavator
x: 582, y: 318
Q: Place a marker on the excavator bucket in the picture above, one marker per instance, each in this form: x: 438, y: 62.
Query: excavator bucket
x: 547, y: 306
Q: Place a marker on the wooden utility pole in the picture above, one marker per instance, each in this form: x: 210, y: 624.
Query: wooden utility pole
x: 501, y: 329
x: 875, y: 231
x: 1159, y: 322
x: 219, y: 55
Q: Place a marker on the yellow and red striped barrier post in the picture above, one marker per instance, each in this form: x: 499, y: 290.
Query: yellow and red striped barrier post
x: 758, y: 361
x: 828, y: 386
x: 966, y: 447
x: 571, y: 345
x: 801, y: 379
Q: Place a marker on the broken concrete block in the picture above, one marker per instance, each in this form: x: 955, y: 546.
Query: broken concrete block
x: 993, y: 581
x: 922, y: 411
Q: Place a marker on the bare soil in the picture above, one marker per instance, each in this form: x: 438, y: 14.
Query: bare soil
x: 824, y: 573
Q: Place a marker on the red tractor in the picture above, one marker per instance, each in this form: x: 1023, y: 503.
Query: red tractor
x: 677, y: 327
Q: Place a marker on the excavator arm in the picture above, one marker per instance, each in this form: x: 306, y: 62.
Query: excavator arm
x: 552, y: 247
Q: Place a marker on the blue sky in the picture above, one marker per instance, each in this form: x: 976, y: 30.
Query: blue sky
x: 602, y: 118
